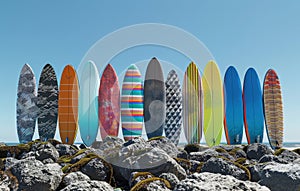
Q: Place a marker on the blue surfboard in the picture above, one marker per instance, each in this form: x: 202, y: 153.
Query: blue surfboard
x: 88, y: 103
x: 253, y: 107
x: 233, y: 107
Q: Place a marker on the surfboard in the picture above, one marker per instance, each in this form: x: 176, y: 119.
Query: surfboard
x: 192, y: 104
x: 26, y: 105
x: 88, y: 103
x: 173, y: 121
x: 132, y: 103
x: 253, y: 107
x: 47, y: 103
x: 213, y: 104
x: 109, y: 103
x: 68, y: 105
x: 273, y: 109
x: 154, y: 99
x: 233, y: 107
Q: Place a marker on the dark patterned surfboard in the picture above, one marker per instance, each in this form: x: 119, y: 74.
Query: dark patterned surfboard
x: 47, y: 103
x: 26, y: 105
x: 173, y: 121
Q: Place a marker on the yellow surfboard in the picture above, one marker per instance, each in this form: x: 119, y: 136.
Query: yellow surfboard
x: 213, y: 104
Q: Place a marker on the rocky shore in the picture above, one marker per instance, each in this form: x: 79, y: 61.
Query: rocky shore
x: 156, y: 164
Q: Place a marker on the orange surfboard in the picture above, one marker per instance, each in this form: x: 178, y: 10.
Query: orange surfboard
x: 68, y: 105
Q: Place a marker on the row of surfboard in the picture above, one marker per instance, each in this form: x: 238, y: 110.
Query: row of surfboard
x: 204, y: 104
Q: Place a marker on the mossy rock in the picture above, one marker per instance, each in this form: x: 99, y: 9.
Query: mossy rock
x: 279, y: 151
x: 241, y: 160
x: 14, y: 151
x: 78, y: 165
x: 199, y: 167
x: 141, y: 185
x: 192, y: 148
x: 238, y: 165
x: 67, y: 159
x: 184, y: 163
x: 54, y: 142
x: 14, y: 183
x: 2, y: 164
x: 156, y: 138
x: 233, y: 151
x: 138, y: 174
x: 220, y: 150
x: 297, y: 151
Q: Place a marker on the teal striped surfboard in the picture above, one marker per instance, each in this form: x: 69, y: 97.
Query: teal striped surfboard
x: 132, y: 114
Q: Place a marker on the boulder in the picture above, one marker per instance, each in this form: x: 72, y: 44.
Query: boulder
x: 108, y: 145
x: 190, y: 148
x: 257, y: 150
x: 209, y: 181
x: 173, y: 180
x: 32, y: 174
x: 272, y: 158
x: 88, y: 185
x: 288, y: 155
x: 224, y: 167
x: 182, y: 154
x: 64, y: 149
x: 74, y: 177
x: 2, y: 144
x: 142, y: 157
x: 8, y: 181
x: 165, y: 144
x: 137, y: 177
x: 96, y: 170
x: 281, y: 177
x: 205, y: 155
x: 45, y: 151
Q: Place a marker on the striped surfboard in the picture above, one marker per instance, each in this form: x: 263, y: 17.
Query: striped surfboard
x: 132, y: 113
x: 192, y: 104
x: 273, y: 109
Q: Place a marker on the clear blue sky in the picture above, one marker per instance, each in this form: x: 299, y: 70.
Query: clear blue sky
x: 260, y: 34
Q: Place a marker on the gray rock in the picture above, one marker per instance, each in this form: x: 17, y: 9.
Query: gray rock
x: 45, y: 151
x: 74, y: 177
x: 32, y: 174
x: 257, y: 150
x: 64, y: 149
x: 194, y: 165
x: 240, y: 154
x: 108, y: 145
x: 281, y: 177
x: 7, y: 181
x: 173, y: 180
x: 2, y: 144
x: 209, y: 181
x: 272, y: 158
x: 88, y: 185
x: 297, y: 161
x: 26, y: 155
x: 166, y: 145
x: 10, y: 161
x: 204, y: 156
x: 134, y: 179
x: 157, y: 185
x: 80, y: 156
x: 182, y: 154
x: 96, y: 170
x: 142, y: 157
x: 288, y: 156
x: 219, y: 165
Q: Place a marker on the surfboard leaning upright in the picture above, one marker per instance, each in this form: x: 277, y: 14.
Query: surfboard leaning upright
x: 213, y: 104
x: 233, y: 107
x: 154, y: 99
x: 273, y: 109
x: 26, y: 105
x: 109, y: 103
x: 192, y: 104
x: 88, y: 103
x: 47, y: 103
x: 68, y: 105
x: 173, y: 121
x: 132, y: 103
x: 253, y: 107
